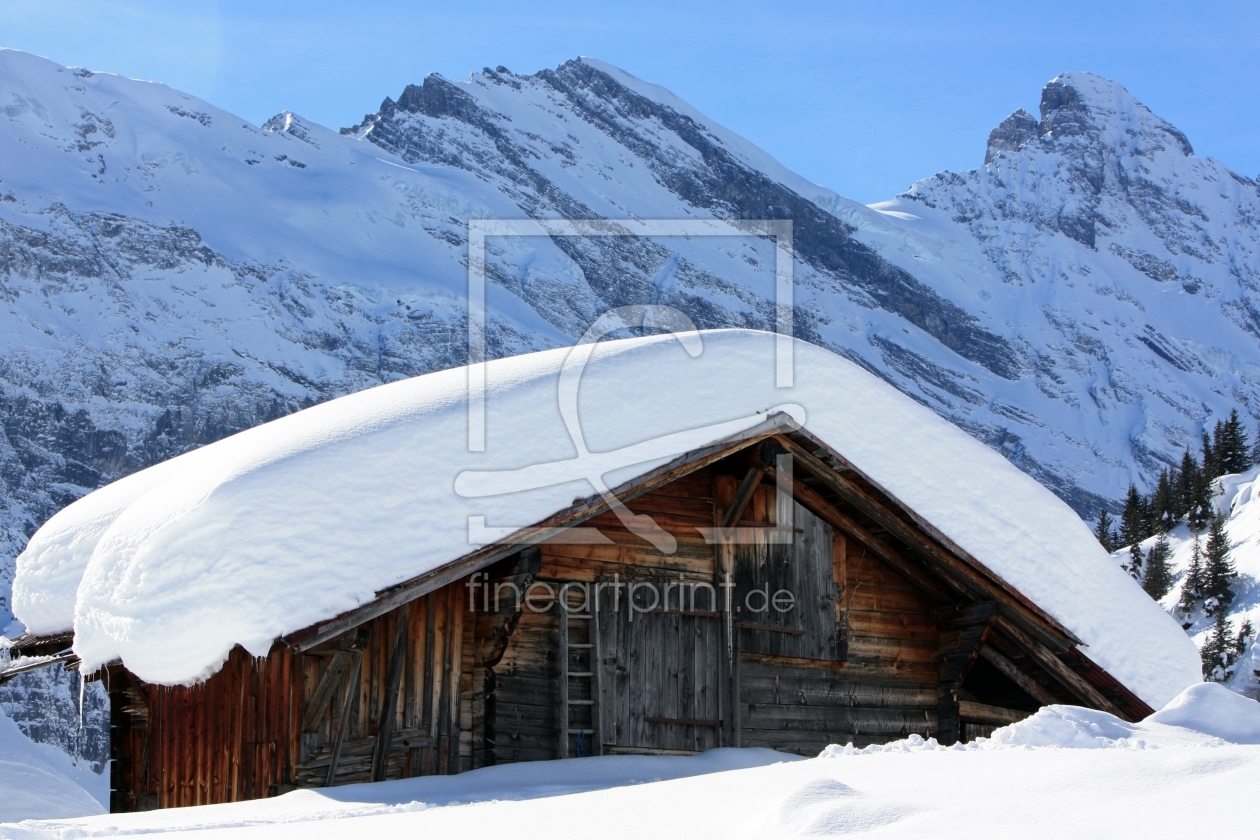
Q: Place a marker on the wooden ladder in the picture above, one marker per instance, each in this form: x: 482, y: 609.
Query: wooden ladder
x: 579, y: 684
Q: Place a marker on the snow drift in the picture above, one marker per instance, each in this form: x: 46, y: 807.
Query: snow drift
x: 40, y: 781
x: 300, y: 519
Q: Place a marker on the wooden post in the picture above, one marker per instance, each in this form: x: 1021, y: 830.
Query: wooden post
x: 963, y: 631
x: 389, y: 703
x: 427, y: 700
x: 563, y: 654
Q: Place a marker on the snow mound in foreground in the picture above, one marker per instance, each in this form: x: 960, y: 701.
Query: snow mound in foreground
x: 1207, y: 709
x: 1213, y: 710
x: 40, y: 781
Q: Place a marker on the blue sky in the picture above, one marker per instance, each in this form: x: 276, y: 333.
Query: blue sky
x: 862, y: 97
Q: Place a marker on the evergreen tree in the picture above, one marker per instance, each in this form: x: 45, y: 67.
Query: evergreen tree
x: 1239, y: 646
x: 1134, y: 564
x: 1216, y: 651
x: 1162, y: 519
x: 1192, y: 586
x: 1199, y: 513
x: 1105, y: 532
x: 1158, y: 579
x: 1233, y: 452
x: 1218, y: 566
x: 1133, y: 518
x: 1211, y: 463
x: 1184, y: 485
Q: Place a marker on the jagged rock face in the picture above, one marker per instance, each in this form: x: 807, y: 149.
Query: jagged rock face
x: 1012, y: 134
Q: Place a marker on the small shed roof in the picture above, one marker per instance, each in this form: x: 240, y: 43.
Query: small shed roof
x: 290, y: 523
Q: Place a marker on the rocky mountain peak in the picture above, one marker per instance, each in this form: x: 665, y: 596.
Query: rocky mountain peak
x: 1098, y: 109
x: 1012, y: 134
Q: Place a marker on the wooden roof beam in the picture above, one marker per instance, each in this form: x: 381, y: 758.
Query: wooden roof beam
x: 1059, y: 669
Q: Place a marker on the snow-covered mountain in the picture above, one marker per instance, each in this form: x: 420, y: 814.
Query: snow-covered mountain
x: 170, y: 274
x: 1124, y: 269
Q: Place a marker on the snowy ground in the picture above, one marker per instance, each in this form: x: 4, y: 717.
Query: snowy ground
x: 39, y: 780
x: 1066, y: 772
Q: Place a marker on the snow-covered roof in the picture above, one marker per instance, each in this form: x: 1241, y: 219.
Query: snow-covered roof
x: 298, y: 520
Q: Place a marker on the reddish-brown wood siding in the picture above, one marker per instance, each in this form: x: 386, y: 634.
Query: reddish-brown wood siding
x: 238, y: 735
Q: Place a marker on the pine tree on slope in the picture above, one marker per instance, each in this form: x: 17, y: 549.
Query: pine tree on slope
x: 1216, y: 652
x: 1158, y: 579
x: 1230, y: 446
x: 1200, y: 509
x: 1162, y: 519
x: 1133, y: 518
x: 1218, y: 567
x: 1211, y: 463
x: 1105, y: 532
x: 1192, y: 586
x: 1183, y: 485
x: 1243, y: 638
x: 1134, y: 564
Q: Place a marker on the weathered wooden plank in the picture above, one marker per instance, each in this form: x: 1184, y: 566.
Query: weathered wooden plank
x: 324, y: 690
x: 834, y: 719
x: 743, y: 495
x: 883, y: 598
x: 894, y: 625
x: 974, y: 712
x: 838, y: 519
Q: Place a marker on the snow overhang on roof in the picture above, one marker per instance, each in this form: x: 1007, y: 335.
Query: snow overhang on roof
x: 310, y: 516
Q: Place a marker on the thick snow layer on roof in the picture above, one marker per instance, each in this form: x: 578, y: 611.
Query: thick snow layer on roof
x: 298, y: 520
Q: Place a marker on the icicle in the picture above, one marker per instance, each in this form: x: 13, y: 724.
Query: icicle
x: 82, y: 687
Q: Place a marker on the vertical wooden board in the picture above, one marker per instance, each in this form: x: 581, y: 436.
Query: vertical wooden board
x: 469, y: 690
x: 426, y: 698
x: 441, y: 677
x: 839, y: 555
x: 689, y: 697
x: 187, y: 752
x: 456, y: 636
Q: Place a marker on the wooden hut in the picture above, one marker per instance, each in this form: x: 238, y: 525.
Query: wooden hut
x: 784, y: 601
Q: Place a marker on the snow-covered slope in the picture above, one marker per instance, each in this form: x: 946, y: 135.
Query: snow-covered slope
x: 308, y: 516
x: 40, y: 781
